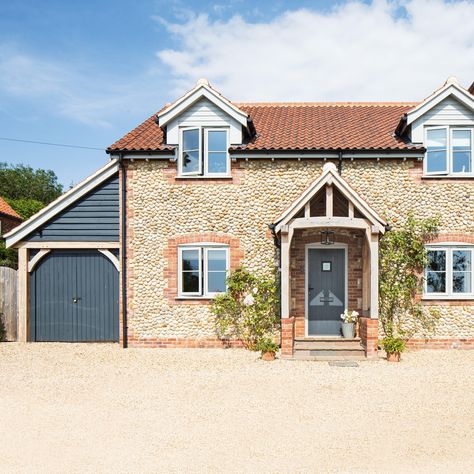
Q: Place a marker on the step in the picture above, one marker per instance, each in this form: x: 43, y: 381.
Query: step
x: 328, y: 345
x: 305, y: 355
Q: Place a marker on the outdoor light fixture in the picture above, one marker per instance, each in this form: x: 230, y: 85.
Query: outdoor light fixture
x: 327, y: 237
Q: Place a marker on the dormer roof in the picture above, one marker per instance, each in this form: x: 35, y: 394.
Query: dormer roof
x: 451, y: 88
x: 202, y: 90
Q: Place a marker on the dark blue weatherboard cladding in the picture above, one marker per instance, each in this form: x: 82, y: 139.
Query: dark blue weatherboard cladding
x: 94, y: 217
x: 74, y: 297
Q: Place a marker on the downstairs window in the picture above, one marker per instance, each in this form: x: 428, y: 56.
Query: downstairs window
x: 448, y: 273
x: 202, y: 270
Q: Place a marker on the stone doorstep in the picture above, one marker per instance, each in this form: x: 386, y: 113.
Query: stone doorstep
x: 328, y: 345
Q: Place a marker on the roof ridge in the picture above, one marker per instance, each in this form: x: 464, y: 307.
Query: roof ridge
x: 326, y: 104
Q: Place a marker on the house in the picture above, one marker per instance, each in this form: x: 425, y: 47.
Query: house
x: 136, y: 252
x: 9, y: 218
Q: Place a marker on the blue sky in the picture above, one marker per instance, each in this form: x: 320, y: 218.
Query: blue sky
x: 87, y: 72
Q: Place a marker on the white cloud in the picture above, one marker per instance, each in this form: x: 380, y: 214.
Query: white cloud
x: 353, y: 52
x: 75, y: 91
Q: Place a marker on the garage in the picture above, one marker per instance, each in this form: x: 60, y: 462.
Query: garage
x: 69, y: 264
x: 74, y: 297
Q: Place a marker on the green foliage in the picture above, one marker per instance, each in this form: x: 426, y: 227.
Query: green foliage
x: 8, y: 257
x: 393, y: 345
x: 266, y: 345
x: 402, y: 260
x: 249, y: 309
x: 23, y: 182
x: 25, y: 207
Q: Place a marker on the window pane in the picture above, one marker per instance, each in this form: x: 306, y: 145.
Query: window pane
x: 217, y: 162
x: 190, y: 259
x: 436, y: 260
x: 190, y: 282
x: 435, y: 282
x: 462, y: 282
x: 461, y: 139
x: 436, y: 161
x: 461, y: 161
x: 461, y: 260
x: 190, y: 161
x: 216, y: 260
x: 217, y: 140
x: 216, y: 282
x: 191, y: 139
x: 436, y: 138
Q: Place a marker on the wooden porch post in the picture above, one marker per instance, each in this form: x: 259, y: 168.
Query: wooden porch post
x: 374, y: 275
x: 286, y: 235
x: 23, y: 294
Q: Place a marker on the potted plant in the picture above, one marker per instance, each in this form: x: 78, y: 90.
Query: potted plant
x: 393, y: 347
x: 268, y: 348
x: 349, y: 318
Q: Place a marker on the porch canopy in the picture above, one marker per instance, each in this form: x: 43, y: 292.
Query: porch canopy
x: 330, y: 203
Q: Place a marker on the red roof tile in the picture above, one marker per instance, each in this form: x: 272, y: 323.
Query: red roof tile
x: 300, y: 126
x: 6, y: 209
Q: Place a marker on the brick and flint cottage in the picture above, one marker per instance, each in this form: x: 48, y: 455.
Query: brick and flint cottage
x: 136, y: 252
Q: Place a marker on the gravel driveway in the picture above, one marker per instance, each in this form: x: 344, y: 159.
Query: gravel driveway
x: 96, y: 408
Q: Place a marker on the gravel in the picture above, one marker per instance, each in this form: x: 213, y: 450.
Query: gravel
x: 97, y: 408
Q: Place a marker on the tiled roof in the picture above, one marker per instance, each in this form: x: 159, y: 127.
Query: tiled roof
x: 300, y: 126
x: 6, y: 209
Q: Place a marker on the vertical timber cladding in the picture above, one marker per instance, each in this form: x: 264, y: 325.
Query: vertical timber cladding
x: 74, y: 294
x: 74, y: 297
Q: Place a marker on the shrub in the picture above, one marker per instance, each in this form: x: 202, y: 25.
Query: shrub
x: 266, y: 345
x: 249, y: 310
x: 392, y: 345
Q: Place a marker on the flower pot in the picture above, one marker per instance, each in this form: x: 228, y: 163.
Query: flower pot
x: 268, y: 356
x: 348, y: 330
x: 393, y: 356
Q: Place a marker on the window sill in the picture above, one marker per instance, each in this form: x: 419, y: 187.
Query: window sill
x: 194, y: 298
x: 448, y: 176
x: 227, y: 177
x: 448, y: 298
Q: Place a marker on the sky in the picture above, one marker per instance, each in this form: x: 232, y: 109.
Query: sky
x: 85, y: 73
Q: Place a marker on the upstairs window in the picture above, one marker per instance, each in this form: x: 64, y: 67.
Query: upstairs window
x: 202, y: 270
x: 448, y: 273
x: 204, y: 152
x: 449, y: 151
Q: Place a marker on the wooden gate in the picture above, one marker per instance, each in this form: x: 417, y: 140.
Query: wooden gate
x: 8, y: 302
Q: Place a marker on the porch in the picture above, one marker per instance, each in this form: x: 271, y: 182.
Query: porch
x: 329, y: 262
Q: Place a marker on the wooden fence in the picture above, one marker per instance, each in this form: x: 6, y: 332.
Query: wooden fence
x: 8, y: 302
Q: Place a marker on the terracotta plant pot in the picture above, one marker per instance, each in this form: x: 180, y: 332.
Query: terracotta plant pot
x: 268, y: 356
x: 393, y: 356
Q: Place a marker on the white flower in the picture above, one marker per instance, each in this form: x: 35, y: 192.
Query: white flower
x: 255, y: 291
x: 248, y: 300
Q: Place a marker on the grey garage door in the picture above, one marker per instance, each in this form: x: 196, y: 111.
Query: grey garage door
x: 74, y: 297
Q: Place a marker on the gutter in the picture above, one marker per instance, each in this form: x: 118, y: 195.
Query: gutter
x: 123, y: 252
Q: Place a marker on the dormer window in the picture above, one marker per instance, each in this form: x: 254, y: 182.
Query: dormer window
x: 449, y: 151
x: 204, y: 152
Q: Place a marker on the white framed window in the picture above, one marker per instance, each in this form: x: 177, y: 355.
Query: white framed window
x: 202, y: 270
x: 449, y: 272
x: 204, y: 152
x: 449, y: 151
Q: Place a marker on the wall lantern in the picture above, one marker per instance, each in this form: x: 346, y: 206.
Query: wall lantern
x: 327, y: 237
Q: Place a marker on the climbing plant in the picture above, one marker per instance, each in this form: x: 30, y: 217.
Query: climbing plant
x: 403, y: 258
x: 249, y: 310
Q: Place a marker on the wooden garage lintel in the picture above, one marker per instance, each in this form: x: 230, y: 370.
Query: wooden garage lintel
x: 68, y: 245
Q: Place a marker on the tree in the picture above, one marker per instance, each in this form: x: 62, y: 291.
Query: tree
x: 28, y: 190
x: 403, y: 258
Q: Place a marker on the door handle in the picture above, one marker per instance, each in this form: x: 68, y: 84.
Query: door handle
x: 76, y: 299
